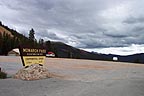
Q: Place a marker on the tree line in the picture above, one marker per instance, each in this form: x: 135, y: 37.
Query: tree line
x: 8, y: 42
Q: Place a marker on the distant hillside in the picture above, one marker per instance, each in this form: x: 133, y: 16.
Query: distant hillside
x: 61, y: 50
x: 135, y: 58
x: 10, y: 39
x: 13, y: 39
x: 3, y: 30
x: 67, y: 51
x: 11, y: 32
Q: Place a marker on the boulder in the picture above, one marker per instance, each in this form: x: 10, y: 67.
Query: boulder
x: 32, y: 72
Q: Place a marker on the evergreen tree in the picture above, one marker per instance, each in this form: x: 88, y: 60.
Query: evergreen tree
x: 41, y: 42
x: 1, y: 42
x: 7, y: 43
x: 14, y: 42
x: 31, y: 35
x: 48, y: 46
x: 0, y: 23
x: 70, y: 55
x: 137, y: 60
x: 32, y: 39
x: 55, y: 51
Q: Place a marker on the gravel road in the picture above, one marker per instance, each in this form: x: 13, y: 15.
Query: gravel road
x: 76, y: 78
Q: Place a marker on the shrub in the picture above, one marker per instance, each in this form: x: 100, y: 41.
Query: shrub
x: 3, y: 75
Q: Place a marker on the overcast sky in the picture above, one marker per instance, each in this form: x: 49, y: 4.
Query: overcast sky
x: 95, y: 25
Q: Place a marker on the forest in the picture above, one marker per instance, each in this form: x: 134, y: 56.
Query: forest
x: 9, y: 42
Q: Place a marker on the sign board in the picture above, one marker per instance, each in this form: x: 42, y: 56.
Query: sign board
x: 32, y: 55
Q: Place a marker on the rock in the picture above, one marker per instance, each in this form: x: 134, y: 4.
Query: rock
x: 32, y: 72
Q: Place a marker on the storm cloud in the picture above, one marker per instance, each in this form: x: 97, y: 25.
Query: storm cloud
x: 80, y: 23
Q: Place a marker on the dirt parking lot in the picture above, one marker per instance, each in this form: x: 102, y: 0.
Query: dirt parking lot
x: 91, y: 70
x: 73, y: 77
x: 81, y: 70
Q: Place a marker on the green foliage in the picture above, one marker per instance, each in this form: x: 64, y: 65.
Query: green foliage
x: 32, y: 41
x: 55, y: 51
x: 7, y: 43
x: 137, y: 61
x: 31, y: 35
x: 70, y: 54
x: 0, y: 23
x: 3, y: 75
x: 49, y: 46
x: 41, y: 42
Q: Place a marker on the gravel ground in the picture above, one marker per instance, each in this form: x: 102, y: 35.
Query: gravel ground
x: 76, y: 78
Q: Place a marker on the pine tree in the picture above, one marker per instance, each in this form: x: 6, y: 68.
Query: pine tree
x: 31, y: 34
x: 49, y: 46
x: 41, y: 42
x: 0, y: 23
x: 32, y: 39
x: 1, y: 42
x: 6, y: 44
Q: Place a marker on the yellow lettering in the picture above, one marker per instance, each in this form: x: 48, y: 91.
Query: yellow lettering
x: 27, y: 50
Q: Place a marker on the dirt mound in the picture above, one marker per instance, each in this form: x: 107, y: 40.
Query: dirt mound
x: 33, y: 72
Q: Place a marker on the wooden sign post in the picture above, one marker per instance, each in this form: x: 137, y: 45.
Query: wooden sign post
x: 32, y: 55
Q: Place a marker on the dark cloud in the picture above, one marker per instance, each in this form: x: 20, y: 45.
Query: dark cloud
x: 80, y: 23
x: 49, y: 35
x: 134, y: 20
x: 139, y: 29
x: 116, y: 35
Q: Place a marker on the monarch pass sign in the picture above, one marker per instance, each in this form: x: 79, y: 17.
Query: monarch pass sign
x: 32, y: 55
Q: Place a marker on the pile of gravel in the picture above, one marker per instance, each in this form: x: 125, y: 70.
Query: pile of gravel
x: 33, y: 72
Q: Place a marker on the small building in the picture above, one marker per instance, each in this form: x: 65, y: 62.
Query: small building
x: 115, y: 58
x: 50, y: 54
x: 14, y: 52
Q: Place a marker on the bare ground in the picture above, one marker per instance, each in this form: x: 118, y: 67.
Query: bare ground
x: 85, y: 70
x: 73, y: 77
x: 90, y: 70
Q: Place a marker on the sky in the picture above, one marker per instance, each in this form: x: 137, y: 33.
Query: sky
x: 103, y: 26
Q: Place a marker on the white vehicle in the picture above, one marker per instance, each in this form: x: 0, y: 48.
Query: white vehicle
x: 50, y: 54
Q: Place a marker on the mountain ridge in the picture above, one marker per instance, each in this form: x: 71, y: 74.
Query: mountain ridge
x: 63, y: 50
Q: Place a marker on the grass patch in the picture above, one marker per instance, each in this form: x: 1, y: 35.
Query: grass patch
x: 3, y: 75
